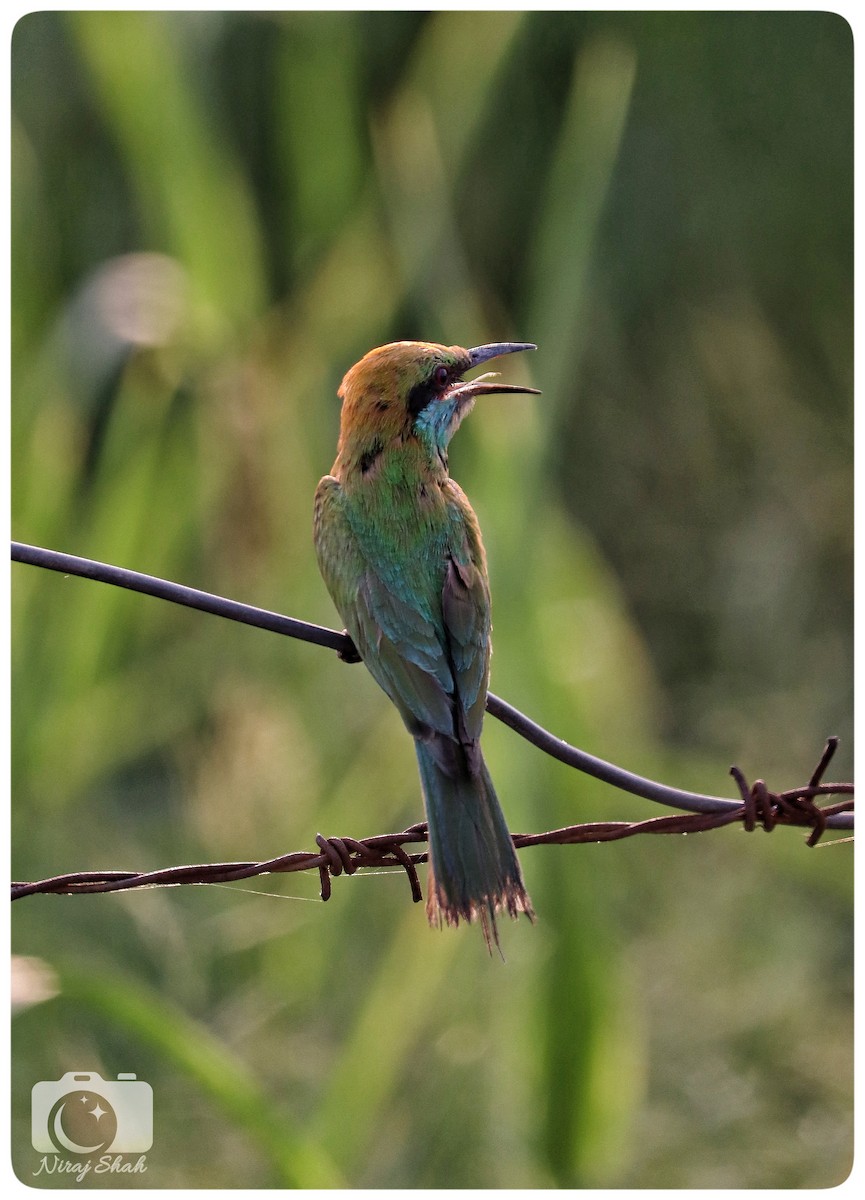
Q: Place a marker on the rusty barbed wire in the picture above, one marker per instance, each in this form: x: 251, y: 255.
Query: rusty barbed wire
x: 756, y: 806
x: 347, y: 855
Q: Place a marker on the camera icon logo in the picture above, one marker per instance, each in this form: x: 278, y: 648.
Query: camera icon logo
x: 84, y: 1114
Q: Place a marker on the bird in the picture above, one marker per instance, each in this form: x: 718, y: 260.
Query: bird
x: 400, y: 550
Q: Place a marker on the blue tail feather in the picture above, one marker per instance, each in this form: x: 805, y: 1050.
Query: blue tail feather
x: 474, y: 870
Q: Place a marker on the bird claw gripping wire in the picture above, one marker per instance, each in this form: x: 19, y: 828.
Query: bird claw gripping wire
x: 347, y: 854
x: 795, y: 807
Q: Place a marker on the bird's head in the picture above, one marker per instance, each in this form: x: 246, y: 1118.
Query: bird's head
x: 415, y: 390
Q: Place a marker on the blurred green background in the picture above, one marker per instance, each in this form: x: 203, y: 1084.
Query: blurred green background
x: 213, y: 216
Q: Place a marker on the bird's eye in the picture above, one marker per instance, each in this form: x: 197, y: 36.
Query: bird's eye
x: 441, y: 376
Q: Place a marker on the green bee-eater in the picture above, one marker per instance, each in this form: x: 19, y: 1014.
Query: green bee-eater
x: 400, y: 550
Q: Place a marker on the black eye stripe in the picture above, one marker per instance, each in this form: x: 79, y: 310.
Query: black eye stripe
x: 427, y: 390
x: 420, y: 396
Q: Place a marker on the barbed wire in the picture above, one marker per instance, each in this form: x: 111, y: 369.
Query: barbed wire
x: 757, y: 805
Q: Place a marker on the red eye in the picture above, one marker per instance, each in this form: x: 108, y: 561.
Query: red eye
x: 441, y: 376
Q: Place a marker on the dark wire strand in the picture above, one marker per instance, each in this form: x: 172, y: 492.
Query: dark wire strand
x: 332, y: 639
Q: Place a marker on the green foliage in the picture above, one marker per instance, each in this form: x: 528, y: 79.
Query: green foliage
x: 214, y: 215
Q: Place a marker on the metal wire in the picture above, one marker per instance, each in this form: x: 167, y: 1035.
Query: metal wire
x: 756, y: 804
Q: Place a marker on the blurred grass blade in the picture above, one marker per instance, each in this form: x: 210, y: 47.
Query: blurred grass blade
x: 194, y: 200
x: 395, y: 1010
x: 422, y: 154
x: 575, y: 190
x: 297, y: 1161
x: 574, y: 1012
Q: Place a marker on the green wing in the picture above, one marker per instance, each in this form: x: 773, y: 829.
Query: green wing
x: 465, y: 608
x: 434, y: 672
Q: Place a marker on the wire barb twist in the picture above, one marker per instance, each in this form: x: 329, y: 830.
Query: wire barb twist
x: 761, y: 805
x: 348, y: 854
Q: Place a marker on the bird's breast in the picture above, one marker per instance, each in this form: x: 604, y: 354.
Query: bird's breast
x: 404, y: 530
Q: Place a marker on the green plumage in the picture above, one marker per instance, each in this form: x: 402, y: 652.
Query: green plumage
x: 401, y: 553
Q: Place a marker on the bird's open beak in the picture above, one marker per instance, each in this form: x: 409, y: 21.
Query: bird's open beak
x: 485, y: 385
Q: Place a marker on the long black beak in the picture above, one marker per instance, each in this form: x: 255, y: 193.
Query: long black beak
x: 484, y: 386
x: 482, y: 354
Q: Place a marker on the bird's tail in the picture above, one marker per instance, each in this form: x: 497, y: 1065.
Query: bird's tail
x: 474, y: 871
